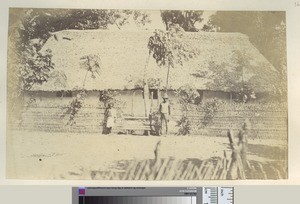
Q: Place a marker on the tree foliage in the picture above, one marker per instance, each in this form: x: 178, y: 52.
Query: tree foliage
x: 75, y: 105
x: 210, y: 108
x: 34, y: 66
x: 266, y: 30
x: 40, y: 23
x: 209, y: 27
x: 231, y: 78
x: 242, y: 77
x: 35, y: 26
x: 185, y: 126
x: 111, y: 98
x: 188, y: 96
x: 92, y: 64
x: 169, y: 49
x: 185, y: 19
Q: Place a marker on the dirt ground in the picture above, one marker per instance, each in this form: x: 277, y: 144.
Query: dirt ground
x: 40, y: 155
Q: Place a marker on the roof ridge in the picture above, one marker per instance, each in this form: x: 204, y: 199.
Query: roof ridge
x: 148, y: 31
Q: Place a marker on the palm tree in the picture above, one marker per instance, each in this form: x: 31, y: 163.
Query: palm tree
x: 92, y: 64
x: 168, y: 49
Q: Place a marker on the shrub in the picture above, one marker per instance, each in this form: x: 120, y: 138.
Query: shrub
x: 210, y: 107
x: 75, y: 105
x: 155, y: 123
x: 184, y: 125
x: 110, y: 97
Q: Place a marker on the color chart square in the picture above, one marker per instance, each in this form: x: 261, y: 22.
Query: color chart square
x: 81, y: 191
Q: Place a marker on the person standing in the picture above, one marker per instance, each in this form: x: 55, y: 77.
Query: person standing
x: 165, y: 112
x: 111, y: 118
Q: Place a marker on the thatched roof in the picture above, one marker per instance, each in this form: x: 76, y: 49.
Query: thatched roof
x: 122, y: 57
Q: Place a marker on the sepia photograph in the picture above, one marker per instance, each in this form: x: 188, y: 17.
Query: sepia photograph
x: 96, y: 94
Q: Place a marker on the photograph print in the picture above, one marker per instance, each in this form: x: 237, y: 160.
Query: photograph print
x: 97, y: 94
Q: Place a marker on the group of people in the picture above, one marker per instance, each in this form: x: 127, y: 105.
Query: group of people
x: 164, y: 112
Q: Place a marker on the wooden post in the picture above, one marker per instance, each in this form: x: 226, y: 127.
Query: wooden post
x: 146, y: 88
x: 151, y: 106
x: 167, y: 83
x: 233, y: 168
x: 157, y: 151
x: 146, y: 98
x: 239, y: 164
x: 243, y: 143
x: 133, y: 94
x: 158, y: 97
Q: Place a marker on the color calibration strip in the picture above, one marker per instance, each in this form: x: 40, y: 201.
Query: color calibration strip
x: 137, y: 200
x: 217, y: 195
